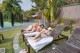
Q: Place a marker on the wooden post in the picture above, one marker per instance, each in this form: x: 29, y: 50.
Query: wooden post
x: 28, y: 47
x: 1, y: 19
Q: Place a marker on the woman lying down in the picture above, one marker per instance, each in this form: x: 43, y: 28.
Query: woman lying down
x: 42, y: 34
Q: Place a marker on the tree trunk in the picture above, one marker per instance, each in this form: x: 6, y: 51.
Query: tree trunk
x: 1, y: 19
x: 12, y: 19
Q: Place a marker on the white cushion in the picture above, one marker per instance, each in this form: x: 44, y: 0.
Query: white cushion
x: 41, y: 43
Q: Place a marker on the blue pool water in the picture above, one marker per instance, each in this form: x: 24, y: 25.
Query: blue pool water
x: 8, y: 24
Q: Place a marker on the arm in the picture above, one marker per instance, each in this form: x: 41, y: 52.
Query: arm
x: 30, y: 31
x: 29, y: 28
x: 33, y: 30
x: 36, y: 37
x: 39, y: 34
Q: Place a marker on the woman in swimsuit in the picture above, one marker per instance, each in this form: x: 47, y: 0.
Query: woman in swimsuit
x: 42, y: 34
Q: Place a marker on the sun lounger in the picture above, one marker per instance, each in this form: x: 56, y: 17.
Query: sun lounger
x: 34, y: 33
x: 71, y: 46
x: 56, y: 21
x: 45, y: 41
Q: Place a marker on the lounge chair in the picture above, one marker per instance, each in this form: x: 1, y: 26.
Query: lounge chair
x: 54, y: 36
x: 71, y: 46
x: 56, y: 21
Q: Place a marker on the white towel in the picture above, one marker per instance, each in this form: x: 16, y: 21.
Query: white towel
x: 30, y: 34
x: 40, y: 44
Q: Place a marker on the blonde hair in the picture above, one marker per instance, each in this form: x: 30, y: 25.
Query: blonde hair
x: 35, y: 24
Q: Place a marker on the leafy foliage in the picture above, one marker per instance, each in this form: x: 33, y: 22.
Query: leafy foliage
x: 28, y: 14
x: 11, y: 6
x: 49, y: 7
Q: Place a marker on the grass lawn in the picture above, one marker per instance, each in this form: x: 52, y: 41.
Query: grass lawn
x: 23, y: 46
x: 7, y: 43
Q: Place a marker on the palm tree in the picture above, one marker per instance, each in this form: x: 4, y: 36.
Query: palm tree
x: 7, y: 8
x: 1, y: 7
x: 17, y: 9
x: 12, y: 7
x: 1, y: 16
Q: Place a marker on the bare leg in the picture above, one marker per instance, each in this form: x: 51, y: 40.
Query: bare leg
x: 32, y: 38
x: 36, y: 36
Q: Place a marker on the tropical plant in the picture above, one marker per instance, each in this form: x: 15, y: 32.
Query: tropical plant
x: 50, y: 7
x: 11, y: 6
x: 1, y: 7
x: 47, y: 7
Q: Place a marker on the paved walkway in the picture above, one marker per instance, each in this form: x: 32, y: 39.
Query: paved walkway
x: 16, y: 45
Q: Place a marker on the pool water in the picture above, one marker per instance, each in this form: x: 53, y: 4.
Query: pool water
x: 8, y: 24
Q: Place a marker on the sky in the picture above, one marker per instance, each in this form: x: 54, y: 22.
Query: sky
x: 0, y: 1
x: 26, y: 5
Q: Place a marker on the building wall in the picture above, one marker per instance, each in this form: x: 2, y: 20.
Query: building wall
x: 72, y: 0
